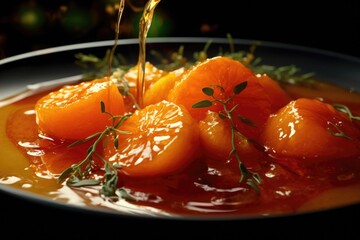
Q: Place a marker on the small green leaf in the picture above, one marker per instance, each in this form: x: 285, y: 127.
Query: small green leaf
x: 257, y: 178
x: 222, y: 116
x: 256, y: 144
x: 109, y: 187
x: 339, y: 132
x: 208, y: 91
x: 202, y: 104
x: 123, y: 194
x: 72, y: 180
x: 251, y: 183
x: 243, y: 169
x: 239, y: 88
x: 102, y: 106
x: 116, y: 142
x: 346, y: 110
x: 117, y: 165
x: 246, y: 121
x: 83, y: 183
x: 65, y: 174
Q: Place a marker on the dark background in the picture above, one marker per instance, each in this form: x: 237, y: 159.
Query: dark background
x: 28, y: 25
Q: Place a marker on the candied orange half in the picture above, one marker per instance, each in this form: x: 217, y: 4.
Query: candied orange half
x: 159, y: 90
x: 310, y: 131
x: 222, y: 72
x: 215, y: 140
x: 162, y: 139
x: 74, y: 111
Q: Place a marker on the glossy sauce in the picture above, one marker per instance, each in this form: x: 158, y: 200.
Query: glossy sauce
x: 206, y: 187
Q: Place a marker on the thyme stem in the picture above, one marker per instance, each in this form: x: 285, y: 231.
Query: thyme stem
x: 79, y: 175
x: 252, y: 179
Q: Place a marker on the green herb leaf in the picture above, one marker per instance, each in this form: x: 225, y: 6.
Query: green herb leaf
x: 253, y: 184
x: 222, y: 116
x: 102, y: 107
x: 116, y: 142
x: 79, y: 175
x: 208, y: 91
x: 117, y: 166
x: 65, y: 174
x: 122, y: 193
x: 83, y: 183
x: 252, y: 179
x: 246, y: 121
x: 239, y: 88
x: 202, y: 104
x: 346, y: 110
x: 339, y: 132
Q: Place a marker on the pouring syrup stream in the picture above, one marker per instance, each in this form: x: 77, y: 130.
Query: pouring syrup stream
x: 117, y: 32
x: 144, y: 26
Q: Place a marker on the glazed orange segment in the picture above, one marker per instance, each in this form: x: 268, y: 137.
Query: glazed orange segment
x: 152, y: 74
x: 162, y: 139
x: 253, y: 103
x: 305, y: 129
x: 74, y: 112
x: 215, y: 139
x: 159, y: 90
x: 278, y: 97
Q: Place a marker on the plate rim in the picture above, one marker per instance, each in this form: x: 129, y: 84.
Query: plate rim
x: 218, y: 40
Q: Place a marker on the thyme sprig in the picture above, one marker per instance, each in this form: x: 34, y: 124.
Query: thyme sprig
x: 346, y: 110
x: 339, y: 132
x: 288, y: 74
x: 252, y: 178
x: 96, y: 67
x: 80, y: 174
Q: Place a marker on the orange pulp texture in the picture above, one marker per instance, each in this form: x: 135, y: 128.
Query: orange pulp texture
x: 162, y: 139
x: 303, y: 130
x: 253, y: 103
x: 74, y: 112
x: 152, y: 74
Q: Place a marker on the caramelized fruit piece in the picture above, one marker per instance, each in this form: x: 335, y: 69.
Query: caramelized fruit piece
x: 73, y: 112
x: 215, y: 139
x: 253, y: 103
x: 159, y: 90
x: 162, y: 139
x: 304, y: 129
x: 152, y: 74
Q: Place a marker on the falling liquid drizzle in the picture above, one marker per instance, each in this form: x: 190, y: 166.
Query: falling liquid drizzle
x: 144, y: 26
x: 117, y: 32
